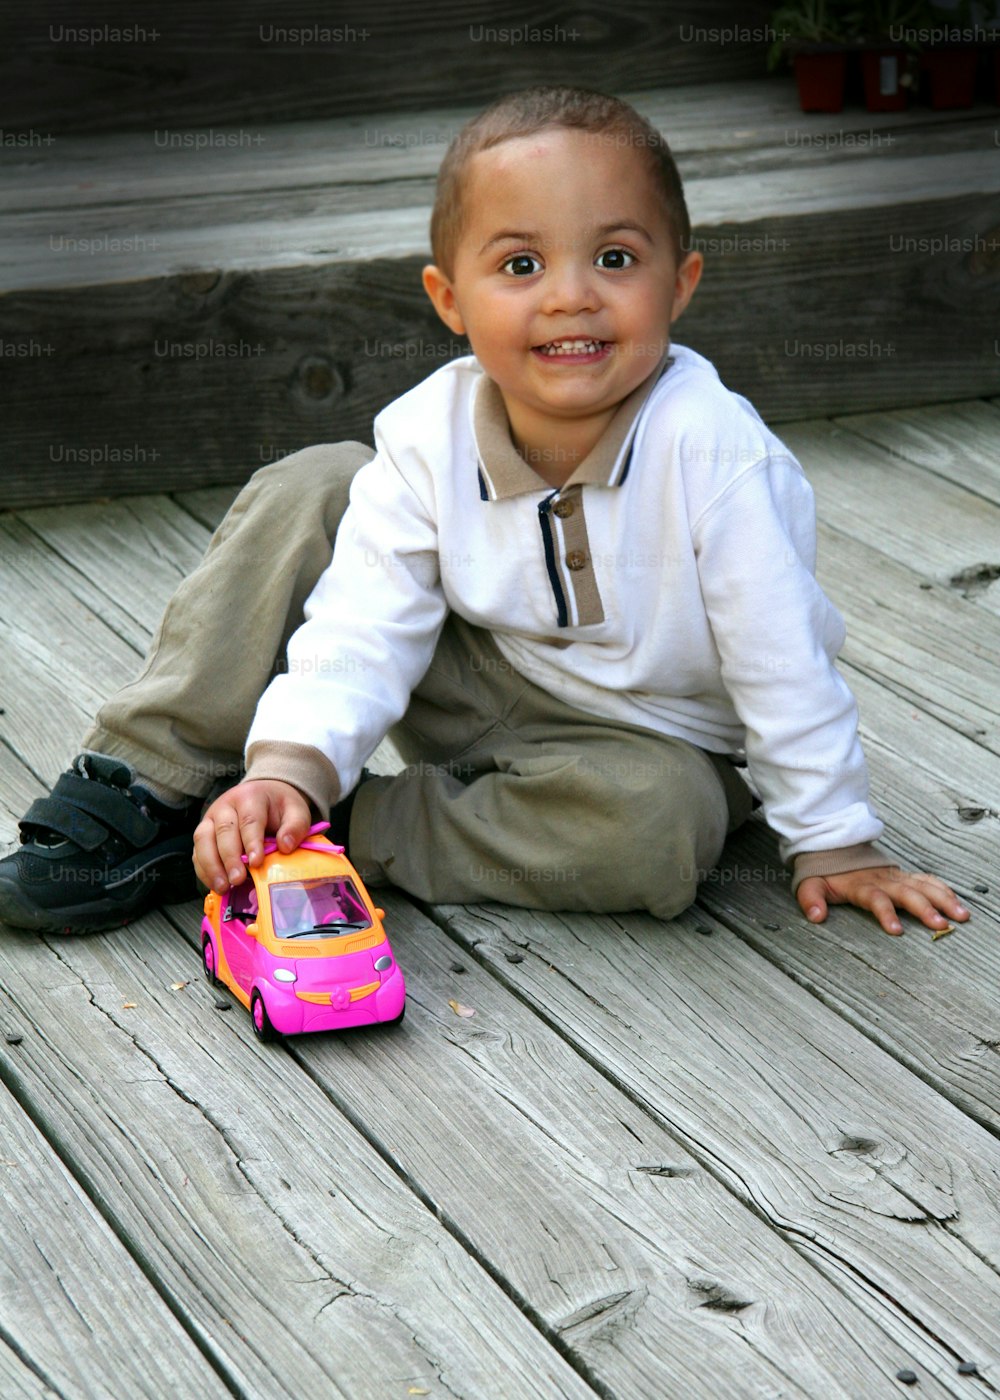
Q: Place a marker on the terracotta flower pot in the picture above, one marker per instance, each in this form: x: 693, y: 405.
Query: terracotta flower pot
x: 883, y: 70
x: 820, y: 73
x: 951, y: 72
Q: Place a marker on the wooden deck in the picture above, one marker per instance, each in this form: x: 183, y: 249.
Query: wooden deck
x: 735, y: 1155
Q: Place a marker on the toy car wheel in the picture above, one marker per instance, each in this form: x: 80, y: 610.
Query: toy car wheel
x: 262, y: 1027
x: 208, y: 961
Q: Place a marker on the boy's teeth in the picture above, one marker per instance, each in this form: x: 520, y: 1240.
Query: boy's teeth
x: 563, y: 347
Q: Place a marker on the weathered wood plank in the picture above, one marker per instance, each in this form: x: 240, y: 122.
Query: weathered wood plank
x: 134, y: 551
x: 73, y: 1302
x: 928, y: 1008
x: 296, y: 1257
x: 933, y: 1005
x: 208, y: 504
x: 60, y: 657
x: 841, y: 1149
x: 580, y: 1201
x: 379, y: 159
x: 897, y: 507
x: 959, y: 441
x: 920, y: 639
x: 339, y: 342
x: 232, y: 63
x: 185, y: 235
x: 18, y: 788
x: 18, y: 1381
x: 52, y: 647
x: 95, y: 211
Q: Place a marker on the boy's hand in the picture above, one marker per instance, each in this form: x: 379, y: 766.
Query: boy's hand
x: 881, y: 890
x: 237, y: 822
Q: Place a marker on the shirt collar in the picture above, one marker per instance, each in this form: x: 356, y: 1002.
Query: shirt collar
x: 503, y: 472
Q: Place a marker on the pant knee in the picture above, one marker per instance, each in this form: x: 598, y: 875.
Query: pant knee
x: 313, y: 465
x: 316, y: 478
x: 659, y: 830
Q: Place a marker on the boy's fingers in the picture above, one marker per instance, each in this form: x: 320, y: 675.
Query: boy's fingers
x: 915, y: 902
x: 943, y: 897
x: 253, y: 825
x: 293, y: 822
x: 811, y: 899
x: 884, y: 910
x: 238, y: 822
x: 228, y: 824
x: 208, y: 866
x: 931, y: 900
x: 925, y: 896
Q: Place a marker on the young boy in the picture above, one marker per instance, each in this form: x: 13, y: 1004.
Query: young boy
x: 575, y: 582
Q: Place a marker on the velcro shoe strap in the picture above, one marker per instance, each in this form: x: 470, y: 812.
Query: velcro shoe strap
x: 109, y: 805
x: 66, y: 821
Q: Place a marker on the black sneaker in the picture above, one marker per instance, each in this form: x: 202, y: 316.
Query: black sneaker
x: 97, y: 852
x: 340, y: 814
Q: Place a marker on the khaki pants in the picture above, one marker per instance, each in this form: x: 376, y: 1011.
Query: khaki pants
x: 509, y: 794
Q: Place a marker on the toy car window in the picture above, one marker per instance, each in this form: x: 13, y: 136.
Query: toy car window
x: 320, y: 908
x: 243, y: 902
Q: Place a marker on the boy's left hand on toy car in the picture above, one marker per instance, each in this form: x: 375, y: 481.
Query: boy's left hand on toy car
x: 883, y: 889
x: 238, y: 821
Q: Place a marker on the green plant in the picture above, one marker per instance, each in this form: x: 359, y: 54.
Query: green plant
x: 875, y: 21
x: 806, y: 22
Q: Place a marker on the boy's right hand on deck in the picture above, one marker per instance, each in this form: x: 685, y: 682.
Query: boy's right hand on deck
x: 238, y: 821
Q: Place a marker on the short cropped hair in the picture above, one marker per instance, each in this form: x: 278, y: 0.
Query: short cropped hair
x: 535, y: 109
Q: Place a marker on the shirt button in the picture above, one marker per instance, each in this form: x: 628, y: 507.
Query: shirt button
x: 576, y: 560
x: 563, y: 509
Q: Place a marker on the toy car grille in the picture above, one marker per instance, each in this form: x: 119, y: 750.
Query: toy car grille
x: 323, y: 998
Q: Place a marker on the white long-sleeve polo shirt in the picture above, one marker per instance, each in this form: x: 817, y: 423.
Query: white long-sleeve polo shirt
x: 669, y: 583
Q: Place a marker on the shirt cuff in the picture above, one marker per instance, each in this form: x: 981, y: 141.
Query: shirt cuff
x: 864, y: 856
x: 306, y: 768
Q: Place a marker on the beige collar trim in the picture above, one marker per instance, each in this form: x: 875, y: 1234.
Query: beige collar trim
x: 503, y: 472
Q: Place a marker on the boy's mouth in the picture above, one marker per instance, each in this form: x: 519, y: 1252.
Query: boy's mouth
x: 576, y: 350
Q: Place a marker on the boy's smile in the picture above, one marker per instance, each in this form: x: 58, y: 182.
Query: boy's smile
x: 565, y: 280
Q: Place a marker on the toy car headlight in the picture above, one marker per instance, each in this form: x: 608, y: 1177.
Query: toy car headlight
x: 284, y: 974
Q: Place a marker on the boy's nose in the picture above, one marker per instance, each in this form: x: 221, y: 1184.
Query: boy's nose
x: 570, y: 289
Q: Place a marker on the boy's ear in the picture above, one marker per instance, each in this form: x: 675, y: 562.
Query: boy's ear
x: 688, y: 276
x: 442, y: 294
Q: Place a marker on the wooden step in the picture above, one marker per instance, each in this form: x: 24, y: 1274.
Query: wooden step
x: 180, y: 307
x: 185, y: 63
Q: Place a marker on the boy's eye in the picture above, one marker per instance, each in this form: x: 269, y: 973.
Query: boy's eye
x: 614, y: 258
x: 521, y: 265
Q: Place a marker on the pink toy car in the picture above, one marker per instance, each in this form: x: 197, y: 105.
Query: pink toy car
x: 301, y: 944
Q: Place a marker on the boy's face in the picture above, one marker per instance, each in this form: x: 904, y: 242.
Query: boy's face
x: 565, y: 279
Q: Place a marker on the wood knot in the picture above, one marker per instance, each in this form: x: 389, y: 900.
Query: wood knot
x: 316, y: 379
x: 860, y: 1145
x: 666, y: 1170
x: 975, y: 579
x: 198, y: 284
x: 717, y: 1297
x: 985, y: 255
